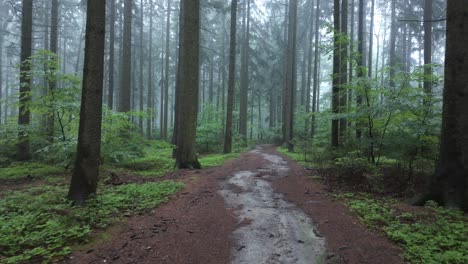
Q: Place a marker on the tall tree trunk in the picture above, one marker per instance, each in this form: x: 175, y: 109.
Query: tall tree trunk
x: 316, y: 69
x: 189, y: 57
x: 52, y: 83
x: 1, y: 78
x: 126, y: 71
x: 336, y: 74
x: 451, y: 181
x: 149, y: 99
x: 166, y: 72
x: 392, y: 54
x: 309, y: 64
x: 291, y: 74
x: 231, y: 79
x: 141, y: 62
x: 427, y: 49
x: 110, y: 99
x: 244, y: 86
x: 360, y: 61
x: 343, y: 70
x: 371, y: 40
x: 86, y: 171
x: 23, y: 151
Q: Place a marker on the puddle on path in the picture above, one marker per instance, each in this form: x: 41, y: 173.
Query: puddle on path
x: 277, y: 231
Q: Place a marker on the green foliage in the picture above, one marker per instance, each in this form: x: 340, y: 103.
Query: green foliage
x: 216, y: 159
x: 210, y: 130
x: 21, y: 170
x: 157, y: 161
x: 121, y: 140
x: 39, y: 224
x: 436, y: 235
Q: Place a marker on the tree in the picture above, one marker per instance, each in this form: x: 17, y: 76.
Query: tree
x: 126, y: 65
x: 86, y: 170
x: 290, y: 75
x: 451, y: 181
x: 427, y: 48
x: 231, y: 80
x: 110, y: 99
x: 165, y: 99
x: 189, y: 57
x: 336, y: 74
x: 23, y: 151
x: 53, y: 48
x: 244, y: 86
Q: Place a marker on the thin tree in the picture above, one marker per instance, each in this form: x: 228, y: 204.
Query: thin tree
x: 336, y: 74
x: 316, y: 69
x: 427, y: 49
x: 188, y: 78
x: 86, y: 170
x: 343, y: 69
x: 244, y: 82
x: 149, y: 99
x: 23, y: 151
x: 231, y: 80
x: 53, y: 48
x: 451, y: 183
x: 126, y: 65
x: 110, y: 98
x: 290, y: 75
x: 360, y: 61
x: 166, y: 74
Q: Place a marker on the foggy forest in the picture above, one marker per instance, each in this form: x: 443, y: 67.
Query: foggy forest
x: 233, y: 131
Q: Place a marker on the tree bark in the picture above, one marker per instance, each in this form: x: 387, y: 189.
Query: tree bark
x: 343, y: 71
x: 451, y: 181
x: 86, y: 171
x: 316, y: 68
x: 189, y: 57
x: 149, y: 99
x: 23, y: 151
x: 427, y: 50
x: 231, y: 79
x: 110, y: 98
x: 360, y: 62
x: 244, y: 86
x: 52, y: 83
x: 126, y: 71
x: 336, y: 74
x: 291, y: 74
x: 166, y: 72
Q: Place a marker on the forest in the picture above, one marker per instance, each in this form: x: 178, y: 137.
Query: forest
x: 233, y: 131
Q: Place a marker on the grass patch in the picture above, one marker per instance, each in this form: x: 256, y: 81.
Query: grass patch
x: 216, y: 159
x: 39, y: 224
x: 22, y: 170
x: 436, y: 235
x: 298, y: 157
x: 156, y: 162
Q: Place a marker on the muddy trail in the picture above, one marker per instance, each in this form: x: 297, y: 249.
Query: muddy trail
x: 259, y: 208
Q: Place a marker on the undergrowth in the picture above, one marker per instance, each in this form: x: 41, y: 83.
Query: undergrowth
x: 40, y: 225
x: 216, y: 159
x: 434, y: 235
x: 22, y: 170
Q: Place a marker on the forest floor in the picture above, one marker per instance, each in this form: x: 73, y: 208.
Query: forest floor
x: 259, y: 208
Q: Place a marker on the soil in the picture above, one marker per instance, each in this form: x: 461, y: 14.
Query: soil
x: 259, y: 208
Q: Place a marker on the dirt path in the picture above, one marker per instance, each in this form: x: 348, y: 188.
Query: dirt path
x: 259, y: 208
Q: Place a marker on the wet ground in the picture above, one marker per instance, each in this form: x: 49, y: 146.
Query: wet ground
x: 259, y: 208
x: 277, y: 230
